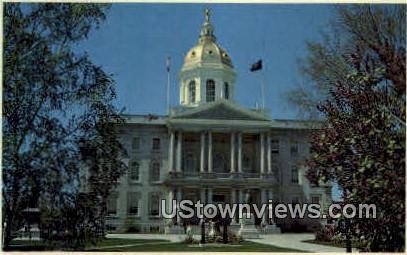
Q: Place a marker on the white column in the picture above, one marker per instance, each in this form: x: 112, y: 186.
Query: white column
x: 179, y: 151
x: 232, y: 152
x: 171, y: 153
x: 270, y: 194
x: 202, y: 167
x: 270, y: 197
x: 179, y: 197
x: 170, y: 198
x: 203, y: 195
x: 269, y: 170
x: 233, y: 201
x: 239, y: 152
x: 209, y: 152
x: 264, y: 201
x: 210, y: 195
x: 241, y: 196
x: 262, y: 153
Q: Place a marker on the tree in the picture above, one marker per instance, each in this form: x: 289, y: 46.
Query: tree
x: 361, y: 145
x: 377, y: 30
x: 53, y: 99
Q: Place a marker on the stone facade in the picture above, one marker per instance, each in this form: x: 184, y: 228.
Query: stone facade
x: 209, y: 149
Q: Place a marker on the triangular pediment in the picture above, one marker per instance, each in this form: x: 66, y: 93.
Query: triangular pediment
x: 222, y: 109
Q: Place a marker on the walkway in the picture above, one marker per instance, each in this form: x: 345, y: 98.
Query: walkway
x: 295, y: 241
x: 292, y: 241
x: 172, y: 238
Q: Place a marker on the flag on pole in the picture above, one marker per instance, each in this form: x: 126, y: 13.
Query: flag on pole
x: 256, y: 66
x: 167, y: 64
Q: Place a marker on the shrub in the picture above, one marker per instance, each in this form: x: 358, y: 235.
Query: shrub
x: 326, y: 233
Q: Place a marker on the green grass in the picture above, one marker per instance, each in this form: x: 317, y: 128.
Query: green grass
x: 25, y: 242
x: 150, y: 246
x: 120, y: 241
x: 246, y: 246
x: 40, y: 245
x: 339, y: 245
x: 25, y: 245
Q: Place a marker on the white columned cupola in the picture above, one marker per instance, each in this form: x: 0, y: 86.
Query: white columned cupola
x: 207, y: 74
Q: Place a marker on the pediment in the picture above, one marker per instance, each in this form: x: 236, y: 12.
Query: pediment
x: 221, y: 110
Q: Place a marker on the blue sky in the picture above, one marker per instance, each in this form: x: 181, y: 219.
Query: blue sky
x: 132, y: 45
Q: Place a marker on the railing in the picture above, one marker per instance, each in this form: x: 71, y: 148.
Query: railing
x: 214, y: 175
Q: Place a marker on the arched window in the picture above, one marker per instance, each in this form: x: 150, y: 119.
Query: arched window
x: 134, y: 171
x: 192, y: 90
x: 226, y: 90
x: 154, y: 204
x: 210, y: 90
x: 294, y: 174
x: 155, y: 171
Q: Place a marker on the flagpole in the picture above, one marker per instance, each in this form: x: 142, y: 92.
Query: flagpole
x: 168, y: 85
x: 168, y: 93
x: 256, y: 67
x: 262, y: 91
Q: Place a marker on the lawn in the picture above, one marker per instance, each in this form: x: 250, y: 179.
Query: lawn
x: 25, y: 245
x: 148, y: 245
x: 120, y: 241
x: 246, y: 246
x: 339, y: 245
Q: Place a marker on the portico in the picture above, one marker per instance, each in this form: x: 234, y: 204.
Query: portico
x: 221, y: 153
x: 220, y: 160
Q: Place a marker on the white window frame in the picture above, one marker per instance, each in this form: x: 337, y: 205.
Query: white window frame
x: 137, y: 196
x: 153, y: 144
x: 131, y: 169
x: 138, y: 147
x: 297, y: 178
x: 210, y: 92
x: 192, y: 91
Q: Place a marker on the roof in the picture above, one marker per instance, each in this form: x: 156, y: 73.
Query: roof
x: 220, y: 114
x: 219, y: 109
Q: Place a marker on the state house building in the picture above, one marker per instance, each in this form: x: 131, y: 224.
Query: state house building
x: 209, y: 148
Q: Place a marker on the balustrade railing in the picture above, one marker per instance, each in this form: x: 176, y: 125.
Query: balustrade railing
x: 217, y: 175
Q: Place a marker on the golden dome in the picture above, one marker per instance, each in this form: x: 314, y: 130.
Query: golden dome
x: 207, y: 50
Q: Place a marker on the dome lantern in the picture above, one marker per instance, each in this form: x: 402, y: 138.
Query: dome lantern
x: 207, y: 74
x: 207, y: 30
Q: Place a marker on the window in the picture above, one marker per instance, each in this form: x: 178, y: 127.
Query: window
x: 294, y: 174
x: 112, y: 204
x: 156, y: 144
x: 210, y: 90
x: 275, y: 146
x: 295, y: 200
x: 154, y: 204
x: 134, y: 171
x: 315, y: 199
x: 294, y: 148
x: 192, y: 89
x: 226, y: 90
x: 276, y: 172
x: 133, y: 203
x: 135, y: 144
x: 190, y: 166
x: 246, y: 162
x: 155, y: 171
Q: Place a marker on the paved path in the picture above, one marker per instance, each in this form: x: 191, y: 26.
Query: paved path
x: 292, y: 241
x: 172, y: 238
x: 295, y: 241
x: 124, y: 245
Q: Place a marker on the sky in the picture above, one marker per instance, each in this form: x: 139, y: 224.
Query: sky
x: 134, y: 41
